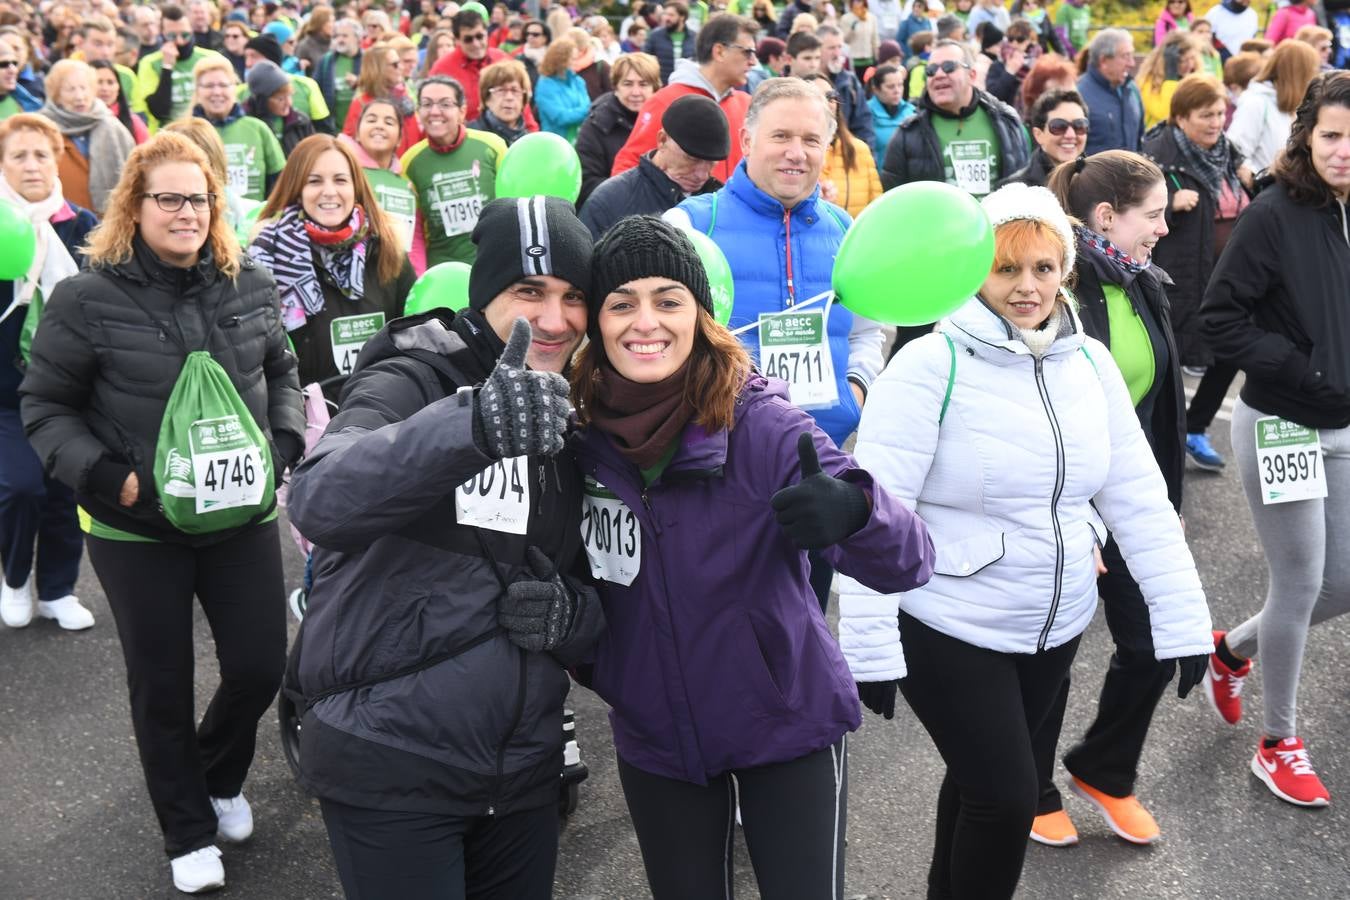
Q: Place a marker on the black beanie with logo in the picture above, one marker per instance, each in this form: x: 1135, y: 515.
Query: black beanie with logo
x: 520, y: 237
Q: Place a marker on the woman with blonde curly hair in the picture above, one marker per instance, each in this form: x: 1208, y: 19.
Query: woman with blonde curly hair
x: 167, y: 288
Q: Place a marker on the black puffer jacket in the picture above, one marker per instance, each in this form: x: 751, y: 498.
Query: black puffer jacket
x: 418, y: 702
x: 914, y: 153
x: 643, y: 190
x: 600, y: 138
x: 1035, y: 173
x: 102, y: 371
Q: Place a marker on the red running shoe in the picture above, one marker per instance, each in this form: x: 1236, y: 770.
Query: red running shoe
x: 1289, y: 774
x: 1223, y: 686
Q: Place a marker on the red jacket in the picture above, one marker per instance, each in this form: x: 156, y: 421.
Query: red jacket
x: 643, y: 137
x: 466, y: 71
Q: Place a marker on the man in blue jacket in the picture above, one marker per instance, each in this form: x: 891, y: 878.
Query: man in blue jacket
x: 780, y: 239
x: 1115, y: 109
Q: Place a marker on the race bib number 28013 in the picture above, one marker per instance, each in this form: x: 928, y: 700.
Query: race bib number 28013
x: 611, y: 535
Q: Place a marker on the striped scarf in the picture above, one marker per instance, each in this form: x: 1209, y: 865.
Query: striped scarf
x: 288, y: 246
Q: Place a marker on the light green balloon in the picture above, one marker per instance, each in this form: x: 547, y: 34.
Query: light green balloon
x: 443, y: 286
x: 720, y: 282
x: 540, y: 163
x: 19, y: 239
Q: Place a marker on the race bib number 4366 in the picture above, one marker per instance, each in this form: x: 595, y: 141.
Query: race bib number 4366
x: 1289, y: 461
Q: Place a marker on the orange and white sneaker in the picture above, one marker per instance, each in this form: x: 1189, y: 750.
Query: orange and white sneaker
x: 1223, y: 686
x: 1287, y: 771
x: 1054, y: 829
x: 1125, y: 815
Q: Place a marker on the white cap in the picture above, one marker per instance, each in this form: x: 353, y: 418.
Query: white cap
x: 1036, y: 204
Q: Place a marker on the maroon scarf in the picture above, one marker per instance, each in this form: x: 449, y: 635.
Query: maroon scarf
x: 643, y: 420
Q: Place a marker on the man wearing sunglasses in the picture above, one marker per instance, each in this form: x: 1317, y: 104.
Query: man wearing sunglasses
x: 14, y: 97
x: 165, y: 76
x: 470, y: 56
x: 725, y: 54
x: 961, y: 134
x: 673, y: 40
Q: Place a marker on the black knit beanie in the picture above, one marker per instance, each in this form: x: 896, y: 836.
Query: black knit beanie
x: 644, y: 247
x: 522, y: 236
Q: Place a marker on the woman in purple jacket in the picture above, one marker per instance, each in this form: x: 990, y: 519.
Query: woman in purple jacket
x: 705, y: 488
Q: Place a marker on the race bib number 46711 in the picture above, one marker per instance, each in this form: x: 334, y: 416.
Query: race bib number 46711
x: 1289, y: 461
x: 793, y: 346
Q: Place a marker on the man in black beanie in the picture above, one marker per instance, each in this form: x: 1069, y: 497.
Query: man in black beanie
x: 694, y: 137
x: 451, y: 587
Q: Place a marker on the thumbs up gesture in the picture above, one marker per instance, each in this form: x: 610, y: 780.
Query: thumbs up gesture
x: 819, y: 510
x: 518, y: 412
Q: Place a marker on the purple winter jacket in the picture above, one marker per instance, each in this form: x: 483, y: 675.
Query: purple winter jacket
x: 717, y: 657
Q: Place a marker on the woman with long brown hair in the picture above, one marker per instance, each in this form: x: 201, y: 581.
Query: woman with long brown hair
x: 1265, y: 111
x: 167, y: 294
x: 380, y: 77
x: 692, y: 457
x: 341, y: 268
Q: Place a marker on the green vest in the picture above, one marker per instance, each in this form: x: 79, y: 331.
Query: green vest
x: 396, y: 199
x: 452, y: 189
x: 252, y: 153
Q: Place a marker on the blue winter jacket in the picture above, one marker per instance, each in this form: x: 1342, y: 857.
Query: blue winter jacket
x: 27, y: 100
x: 563, y: 103
x: 1115, y: 115
x: 760, y: 238
x: 717, y: 657
x: 884, y: 124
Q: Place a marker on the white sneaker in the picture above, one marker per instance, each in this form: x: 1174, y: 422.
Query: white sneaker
x: 16, y: 604
x: 198, y: 871
x: 67, y: 612
x: 234, y: 818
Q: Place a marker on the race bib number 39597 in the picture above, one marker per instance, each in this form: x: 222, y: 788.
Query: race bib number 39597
x: 611, y: 535
x: 497, y: 498
x: 1289, y: 461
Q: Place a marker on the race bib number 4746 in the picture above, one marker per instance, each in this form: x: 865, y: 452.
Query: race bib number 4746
x: 227, y: 467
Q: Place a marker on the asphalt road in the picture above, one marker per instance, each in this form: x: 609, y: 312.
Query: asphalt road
x: 75, y: 821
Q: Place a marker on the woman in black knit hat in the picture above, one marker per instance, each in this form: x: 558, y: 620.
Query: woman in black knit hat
x: 705, y: 488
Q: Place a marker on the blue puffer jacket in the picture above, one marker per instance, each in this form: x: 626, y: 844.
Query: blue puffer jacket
x: 761, y: 239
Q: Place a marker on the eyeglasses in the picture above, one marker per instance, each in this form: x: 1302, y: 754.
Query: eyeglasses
x: 749, y: 52
x: 1059, y: 126
x: 946, y: 67
x: 172, y: 203
x: 473, y: 38
x: 442, y: 105
x: 9, y: 63
x: 506, y: 91
x: 210, y: 86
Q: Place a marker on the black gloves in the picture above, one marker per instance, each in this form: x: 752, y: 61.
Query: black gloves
x: 819, y: 510
x: 537, y: 613
x: 518, y: 412
x: 1192, y: 672
x: 879, y: 696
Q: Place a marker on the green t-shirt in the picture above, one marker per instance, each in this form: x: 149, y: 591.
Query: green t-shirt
x: 9, y: 107
x: 1130, y: 345
x: 452, y: 189
x: 252, y: 153
x: 677, y: 42
x: 1075, y: 20
x: 148, y: 73
x: 970, y: 151
x: 342, y: 92
x: 395, y: 197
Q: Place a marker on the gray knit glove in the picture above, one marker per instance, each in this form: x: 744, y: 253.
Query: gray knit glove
x: 518, y: 412
x: 537, y: 613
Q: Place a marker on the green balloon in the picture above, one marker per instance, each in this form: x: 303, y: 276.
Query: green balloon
x: 477, y: 7
x: 540, y: 163
x: 445, y: 285
x: 719, y: 273
x: 916, y: 254
x: 244, y: 227
x: 19, y: 239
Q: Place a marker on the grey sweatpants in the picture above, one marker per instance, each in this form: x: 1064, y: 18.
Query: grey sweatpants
x: 1307, y: 548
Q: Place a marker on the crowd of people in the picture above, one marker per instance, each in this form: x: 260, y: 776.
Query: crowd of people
x: 232, y: 206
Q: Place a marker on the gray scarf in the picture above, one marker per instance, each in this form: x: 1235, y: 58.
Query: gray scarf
x: 109, y: 145
x: 1213, y: 166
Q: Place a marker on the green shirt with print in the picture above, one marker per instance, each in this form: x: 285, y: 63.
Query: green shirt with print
x: 252, y: 153
x: 452, y: 189
x: 342, y: 91
x: 1075, y: 20
x: 9, y: 107
x: 148, y: 74
x: 395, y: 197
x: 970, y: 151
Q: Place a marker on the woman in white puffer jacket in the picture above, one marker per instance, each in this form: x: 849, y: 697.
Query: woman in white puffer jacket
x: 1010, y: 431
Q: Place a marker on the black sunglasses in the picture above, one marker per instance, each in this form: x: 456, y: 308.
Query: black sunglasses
x: 1059, y: 126
x: 947, y: 67
x: 530, y: 34
x: 9, y: 63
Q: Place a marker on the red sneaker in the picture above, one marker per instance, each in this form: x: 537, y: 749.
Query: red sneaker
x: 1223, y: 686
x: 1289, y: 774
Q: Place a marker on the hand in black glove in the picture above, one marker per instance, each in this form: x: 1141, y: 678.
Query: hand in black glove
x: 879, y: 697
x: 537, y: 612
x: 1192, y: 672
x: 819, y: 510
x: 519, y: 412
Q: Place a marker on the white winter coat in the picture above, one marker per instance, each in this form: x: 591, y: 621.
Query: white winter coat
x: 1259, y: 130
x: 1007, y: 486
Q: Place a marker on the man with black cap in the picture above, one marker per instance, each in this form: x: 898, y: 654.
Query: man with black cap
x: 165, y: 76
x: 694, y: 137
x: 450, y: 586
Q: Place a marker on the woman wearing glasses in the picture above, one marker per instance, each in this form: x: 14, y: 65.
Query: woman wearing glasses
x: 253, y: 156
x: 166, y: 278
x: 1059, y: 128
x: 504, y: 98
